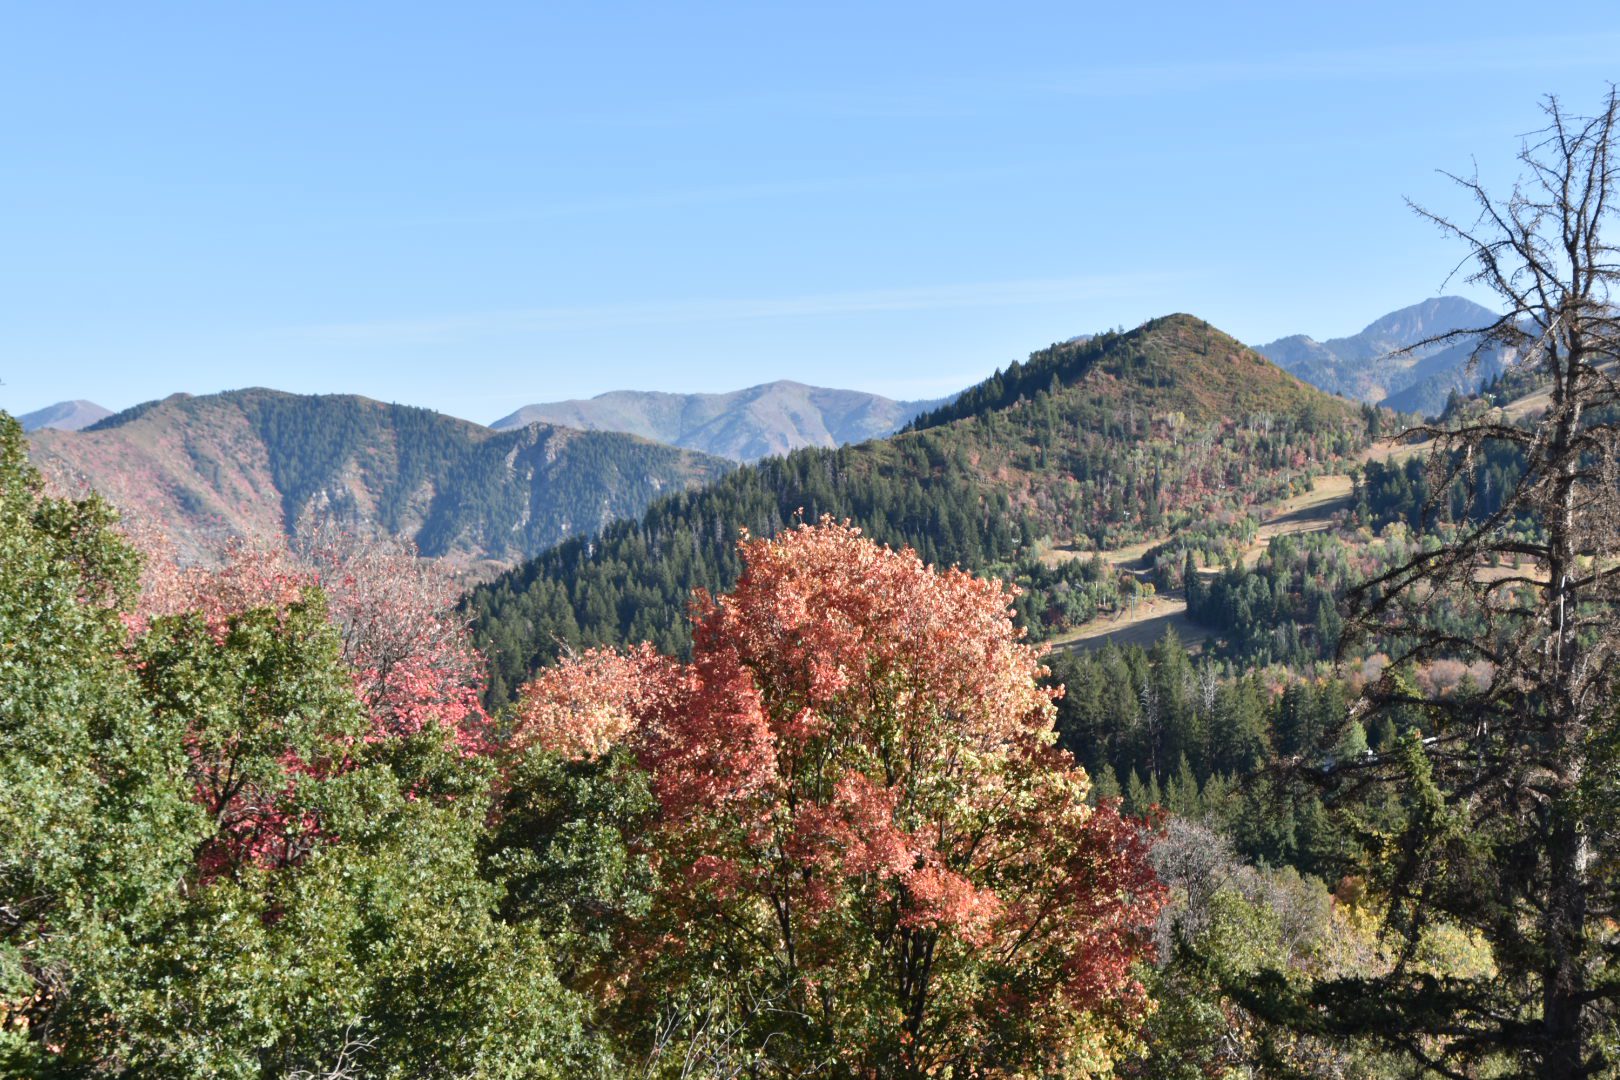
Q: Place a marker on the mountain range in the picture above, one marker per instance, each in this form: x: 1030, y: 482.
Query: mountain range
x: 64, y: 416
x: 1385, y: 364
x: 1171, y: 428
x: 744, y: 425
x: 261, y: 462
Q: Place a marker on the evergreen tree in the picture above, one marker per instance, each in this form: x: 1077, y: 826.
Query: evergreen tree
x: 1507, y: 795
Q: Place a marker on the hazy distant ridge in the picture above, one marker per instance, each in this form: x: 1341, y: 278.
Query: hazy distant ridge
x: 1364, y: 365
x: 64, y: 416
x: 743, y: 425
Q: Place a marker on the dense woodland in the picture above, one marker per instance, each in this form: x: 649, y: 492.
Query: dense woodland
x: 258, y: 824
x: 302, y: 787
x: 475, y: 503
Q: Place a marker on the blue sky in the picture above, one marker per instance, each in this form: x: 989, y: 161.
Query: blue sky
x: 473, y: 206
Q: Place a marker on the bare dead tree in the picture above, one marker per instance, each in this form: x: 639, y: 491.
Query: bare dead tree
x: 1509, y: 793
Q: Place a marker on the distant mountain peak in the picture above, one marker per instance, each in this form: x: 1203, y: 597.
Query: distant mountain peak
x: 64, y: 416
x: 1387, y: 362
x: 1400, y: 329
x: 744, y: 425
x: 1438, y: 314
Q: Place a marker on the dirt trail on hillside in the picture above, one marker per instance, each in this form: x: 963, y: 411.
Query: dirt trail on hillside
x: 1146, y: 622
x: 1143, y: 625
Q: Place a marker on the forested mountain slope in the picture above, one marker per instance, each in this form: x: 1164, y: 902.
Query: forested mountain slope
x: 745, y: 425
x: 261, y: 462
x: 1089, y: 444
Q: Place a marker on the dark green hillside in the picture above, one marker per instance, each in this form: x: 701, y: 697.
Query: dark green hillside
x: 1151, y: 430
x: 261, y: 461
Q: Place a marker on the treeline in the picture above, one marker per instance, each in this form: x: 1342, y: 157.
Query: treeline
x: 1403, y: 491
x: 1285, y: 609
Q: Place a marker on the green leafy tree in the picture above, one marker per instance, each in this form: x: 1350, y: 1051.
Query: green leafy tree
x: 96, y: 823
x: 212, y: 863
x: 564, y: 848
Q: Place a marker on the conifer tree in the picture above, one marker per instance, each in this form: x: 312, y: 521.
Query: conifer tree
x: 1509, y: 794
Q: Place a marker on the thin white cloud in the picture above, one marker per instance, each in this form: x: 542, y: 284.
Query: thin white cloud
x: 1429, y: 59
x: 991, y: 294
x: 970, y: 95
x: 721, y: 194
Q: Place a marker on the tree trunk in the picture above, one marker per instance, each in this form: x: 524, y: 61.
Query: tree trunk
x: 1565, y: 979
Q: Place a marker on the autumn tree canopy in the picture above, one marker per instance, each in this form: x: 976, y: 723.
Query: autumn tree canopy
x: 862, y: 816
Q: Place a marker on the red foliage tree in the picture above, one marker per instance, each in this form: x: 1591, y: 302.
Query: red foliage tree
x: 585, y: 706
x: 409, y: 647
x: 412, y: 656
x: 861, y: 803
x: 407, y: 650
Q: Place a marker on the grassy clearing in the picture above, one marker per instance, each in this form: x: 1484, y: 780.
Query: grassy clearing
x: 1145, y: 623
x: 1142, y: 625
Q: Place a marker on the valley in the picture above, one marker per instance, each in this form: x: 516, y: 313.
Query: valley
x: 1143, y: 622
x: 1116, y: 442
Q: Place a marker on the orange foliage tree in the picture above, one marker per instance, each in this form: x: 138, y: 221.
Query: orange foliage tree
x: 862, y: 815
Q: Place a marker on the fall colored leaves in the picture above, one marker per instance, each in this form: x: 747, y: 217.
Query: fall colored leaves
x: 857, y: 791
x: 858, y: 809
